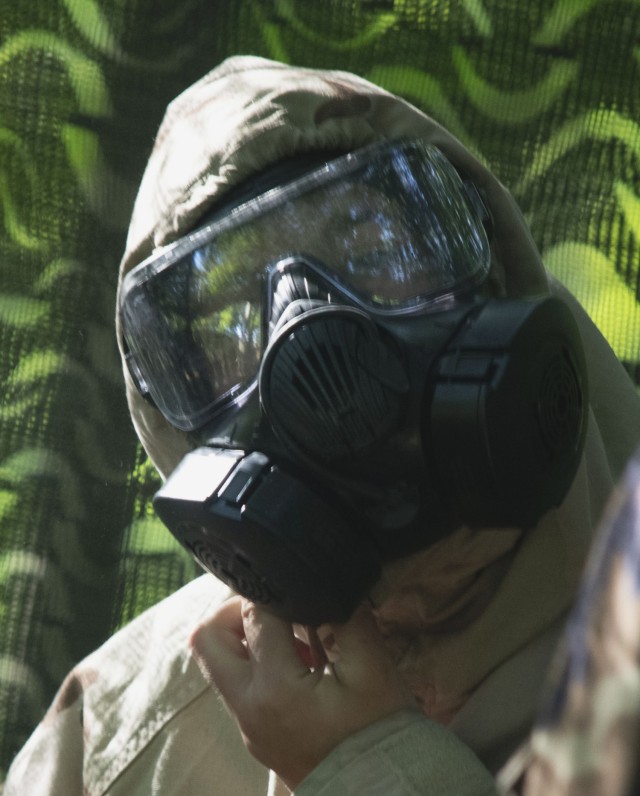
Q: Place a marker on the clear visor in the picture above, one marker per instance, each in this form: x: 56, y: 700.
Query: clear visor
x: 395, y: 228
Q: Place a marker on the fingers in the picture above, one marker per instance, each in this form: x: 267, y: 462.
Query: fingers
x: 317, y: 653
x: 355, y: 644
x: 242, y: 645
x: 289, y: 716
x: 271, y: 642
x: 362, y: 663
x: 241, y: 639
x: 219, y: 649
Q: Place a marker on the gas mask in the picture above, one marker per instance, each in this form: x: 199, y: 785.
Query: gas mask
x: 353, y: 392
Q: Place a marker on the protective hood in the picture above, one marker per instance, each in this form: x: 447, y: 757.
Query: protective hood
x: 453, y: 614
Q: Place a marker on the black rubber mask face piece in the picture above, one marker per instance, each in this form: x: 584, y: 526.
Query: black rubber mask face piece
x: 351, y: 401
x: 371, y: 437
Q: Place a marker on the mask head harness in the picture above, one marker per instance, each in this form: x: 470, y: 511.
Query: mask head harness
x: 353, y: 392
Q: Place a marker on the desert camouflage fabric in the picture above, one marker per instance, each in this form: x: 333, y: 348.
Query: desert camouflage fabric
x: 587, y: 741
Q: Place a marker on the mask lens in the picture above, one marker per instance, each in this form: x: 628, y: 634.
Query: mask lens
x: 413, y: 237
x: 194, y: 332
x: 392, y: 225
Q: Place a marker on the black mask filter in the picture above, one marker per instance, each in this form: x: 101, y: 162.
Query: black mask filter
x: 370, y: 436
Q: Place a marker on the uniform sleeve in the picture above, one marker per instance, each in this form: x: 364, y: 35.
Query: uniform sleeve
x: 51, y: 761
x: 137, y: 716
x: 403, y: 754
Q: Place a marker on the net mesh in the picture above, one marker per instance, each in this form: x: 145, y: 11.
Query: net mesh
x: 545, y: 93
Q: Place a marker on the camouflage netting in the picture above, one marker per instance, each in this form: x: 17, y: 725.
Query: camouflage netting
x: 545, y: 92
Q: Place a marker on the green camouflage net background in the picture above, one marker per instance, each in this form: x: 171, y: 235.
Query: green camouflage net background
x: 545, y: 93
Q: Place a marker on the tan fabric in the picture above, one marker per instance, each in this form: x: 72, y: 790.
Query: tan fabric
x: 137, y: 718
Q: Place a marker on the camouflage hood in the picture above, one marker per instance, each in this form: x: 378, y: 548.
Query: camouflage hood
x: 456, y: 613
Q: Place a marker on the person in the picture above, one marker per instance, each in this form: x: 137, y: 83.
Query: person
x: 585, y: 739
x: 431, y: 682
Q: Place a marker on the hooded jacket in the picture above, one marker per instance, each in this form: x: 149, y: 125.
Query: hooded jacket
x: 472, y: 621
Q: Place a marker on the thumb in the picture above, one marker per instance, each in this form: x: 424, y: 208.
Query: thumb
x: 362, y: 663
x: 356, y: 643
x: 218, y: 646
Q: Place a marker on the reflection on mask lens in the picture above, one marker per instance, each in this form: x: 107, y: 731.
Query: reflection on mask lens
x: 392, y: 226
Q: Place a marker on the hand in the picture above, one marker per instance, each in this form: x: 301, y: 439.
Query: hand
x: 291, y: 704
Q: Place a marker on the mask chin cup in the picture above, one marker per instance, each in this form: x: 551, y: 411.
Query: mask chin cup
x: 268, y: 535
